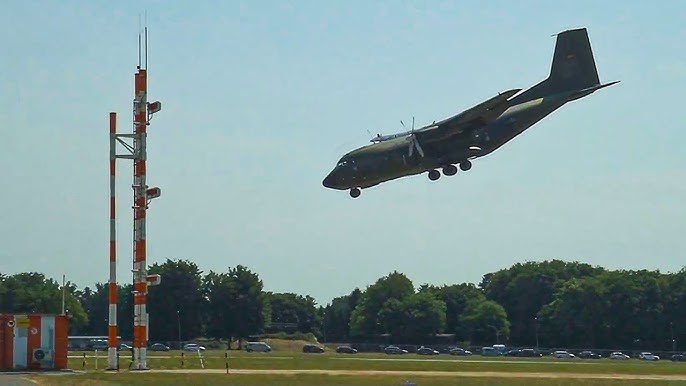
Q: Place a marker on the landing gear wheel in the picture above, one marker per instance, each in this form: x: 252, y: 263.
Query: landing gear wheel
x: 434, y: 175
x: 465, y: 165
x: 450, y: 170
x: 354, y: 192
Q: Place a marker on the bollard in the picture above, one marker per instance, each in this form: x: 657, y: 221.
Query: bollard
x: 226, y: 361
x: 84, y: 361
x: 96, y: 359
x: 181, y: 358
x: 117, y: 361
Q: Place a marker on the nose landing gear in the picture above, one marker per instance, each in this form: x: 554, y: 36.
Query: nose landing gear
x: 355, y: 192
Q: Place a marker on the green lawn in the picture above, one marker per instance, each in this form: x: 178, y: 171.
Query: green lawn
x: 93, y: 379
x: 332, y: 361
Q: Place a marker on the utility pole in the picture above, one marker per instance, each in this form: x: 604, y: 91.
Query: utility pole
x: 178, y: 325
x: 536, y: 326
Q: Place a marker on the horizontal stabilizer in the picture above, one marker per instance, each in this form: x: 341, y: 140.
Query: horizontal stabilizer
x: 592, y: 89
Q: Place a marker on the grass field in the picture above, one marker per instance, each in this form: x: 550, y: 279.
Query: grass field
x: 289, y: 367
x: 93, y: 379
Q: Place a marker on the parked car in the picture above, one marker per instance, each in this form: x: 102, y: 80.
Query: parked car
x: 98, y: 344
x: 459, y: 351
x: 193, y: 347
x: 159, y: 347
x: 529, y: 352
x: 124, y: 347
x: 513, y: 353
x: 589, y: 355
x: 619, y: 355
x: 390, y: 350
x: 647, y: 356
x: 313, y: 348
x: 346, y: 350
x: 257, y: 346
x: 678, y: 358
x: 427, y: 351
x: 563, y: 354
x: 489, y: 352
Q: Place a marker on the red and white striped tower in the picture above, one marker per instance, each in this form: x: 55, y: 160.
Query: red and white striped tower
x: 142, y: 112
x: 112, y: 290
x: 140, y: 285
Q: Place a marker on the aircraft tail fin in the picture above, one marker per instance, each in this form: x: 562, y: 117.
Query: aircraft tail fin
x: 573, y: 64
x: 573, y: 67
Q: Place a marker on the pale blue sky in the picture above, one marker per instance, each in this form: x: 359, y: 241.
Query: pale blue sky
x: 261, y: 98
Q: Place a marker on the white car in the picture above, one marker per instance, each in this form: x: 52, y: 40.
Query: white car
x: 563, y: 354
x: 257, y: 346
x: 619, y: 355
x: 647, y: 356
x: 193, y: 347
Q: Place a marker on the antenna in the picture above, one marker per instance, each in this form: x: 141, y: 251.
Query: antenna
x: 139, y: 40
x: 146, y: 38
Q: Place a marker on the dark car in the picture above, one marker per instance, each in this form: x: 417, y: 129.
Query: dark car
x: 529, y: 353
x: 159, y: 347
x: 426, y: 351
x: 313, y: 348
x: 346, y: 350
x: 678, y: 358
x: 512, y: 353
x: 589, y: 355
x: 459, y: 351
x: 390, y: 350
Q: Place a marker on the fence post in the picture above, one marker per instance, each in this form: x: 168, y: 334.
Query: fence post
x: 84, y: 361
x: 226, y: 361
x: 181, y: 358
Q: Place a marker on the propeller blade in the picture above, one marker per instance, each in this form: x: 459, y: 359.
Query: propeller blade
x: 415, y: 144
x: 419, y: 148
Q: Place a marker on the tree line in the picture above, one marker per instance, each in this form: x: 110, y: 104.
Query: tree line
x: 553, y: 302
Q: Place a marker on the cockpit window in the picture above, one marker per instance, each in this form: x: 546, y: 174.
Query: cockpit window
x: 342, y: 163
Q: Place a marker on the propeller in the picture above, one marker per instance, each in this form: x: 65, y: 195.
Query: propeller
x: 414, y: 143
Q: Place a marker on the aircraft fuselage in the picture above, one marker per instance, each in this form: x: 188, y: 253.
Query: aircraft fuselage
x: 384, y: 161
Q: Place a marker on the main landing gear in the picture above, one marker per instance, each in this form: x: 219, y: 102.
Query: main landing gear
x: 450, y: 170
x: 355, y: 192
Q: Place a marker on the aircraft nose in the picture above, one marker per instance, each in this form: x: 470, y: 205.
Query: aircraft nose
x: 329, y: 181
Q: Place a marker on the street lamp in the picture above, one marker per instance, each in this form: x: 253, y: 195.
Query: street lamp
x: 536, y: 327
x: 671, y: 330
x: 178, y: 325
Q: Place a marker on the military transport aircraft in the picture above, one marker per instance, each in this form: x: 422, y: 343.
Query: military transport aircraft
x: 475, y: 132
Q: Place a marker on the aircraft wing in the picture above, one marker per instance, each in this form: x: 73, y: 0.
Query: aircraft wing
x: 477, y: 116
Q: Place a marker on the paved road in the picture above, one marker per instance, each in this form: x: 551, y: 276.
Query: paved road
x: 14, y: 380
